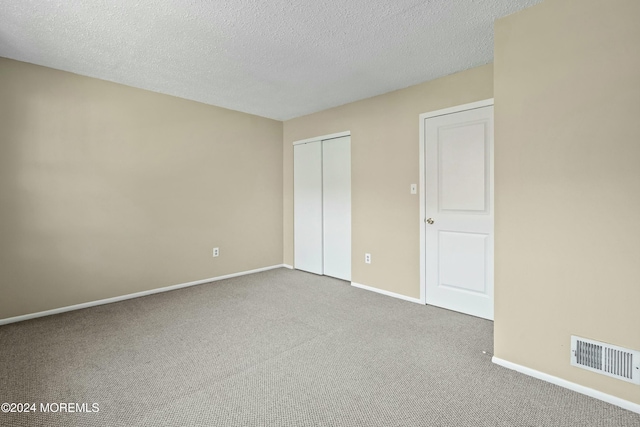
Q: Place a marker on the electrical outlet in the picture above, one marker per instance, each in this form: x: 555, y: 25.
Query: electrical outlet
x: 216, y: 252
x: 367, y: 258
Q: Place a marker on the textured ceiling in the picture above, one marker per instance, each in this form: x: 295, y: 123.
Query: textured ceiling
x: 274, y: 58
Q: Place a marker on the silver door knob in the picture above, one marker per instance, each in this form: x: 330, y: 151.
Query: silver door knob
x: 430, y: 221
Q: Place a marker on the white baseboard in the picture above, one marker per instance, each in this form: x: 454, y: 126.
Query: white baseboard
x: 130, y: 296
x: 387, y: 293
x: 625, y: 404
x: 290, y: 267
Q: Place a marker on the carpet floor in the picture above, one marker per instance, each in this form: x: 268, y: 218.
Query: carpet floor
x: 277, y: 348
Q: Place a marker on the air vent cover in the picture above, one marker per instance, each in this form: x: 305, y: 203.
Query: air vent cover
x: 606, y: 359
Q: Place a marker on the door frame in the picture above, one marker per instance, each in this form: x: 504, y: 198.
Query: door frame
x: 323, y: 137
x: 423, y: 182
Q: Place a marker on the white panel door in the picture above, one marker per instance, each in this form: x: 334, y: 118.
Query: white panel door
x: 307, y: 206
x: 459, y: 211
x: 336, y: 188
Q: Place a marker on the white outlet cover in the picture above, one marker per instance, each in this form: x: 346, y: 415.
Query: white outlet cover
x: 414, y: 188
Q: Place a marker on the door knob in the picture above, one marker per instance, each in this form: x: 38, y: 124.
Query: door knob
x: 430, y: 221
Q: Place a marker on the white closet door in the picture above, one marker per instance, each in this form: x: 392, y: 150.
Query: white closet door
x: 336, y: 195
x: 307, y: 199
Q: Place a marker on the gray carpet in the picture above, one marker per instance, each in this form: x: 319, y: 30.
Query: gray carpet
x: 278, y: 348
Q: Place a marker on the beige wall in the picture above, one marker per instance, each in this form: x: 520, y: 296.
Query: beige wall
x: 384, y: 162
x: 107, y: 190
x: 567, y: 111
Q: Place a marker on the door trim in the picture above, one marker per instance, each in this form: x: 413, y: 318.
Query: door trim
x: 421, y: 190
x: 323, y: 137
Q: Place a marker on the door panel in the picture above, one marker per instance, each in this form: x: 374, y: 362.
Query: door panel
x: 459, y: 203
x: 307, y: 199
x: 336, y: 188
x: 462, y: 169
x: 463, y: 249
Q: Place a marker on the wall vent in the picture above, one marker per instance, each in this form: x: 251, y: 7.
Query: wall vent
x: 606, y: 359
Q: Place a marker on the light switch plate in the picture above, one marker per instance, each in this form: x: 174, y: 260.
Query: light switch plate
x: 414, y: 188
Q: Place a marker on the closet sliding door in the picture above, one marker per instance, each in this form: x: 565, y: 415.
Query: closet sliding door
x: 336, y: 207
x: 322, y: 207
x: 307, y: 196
